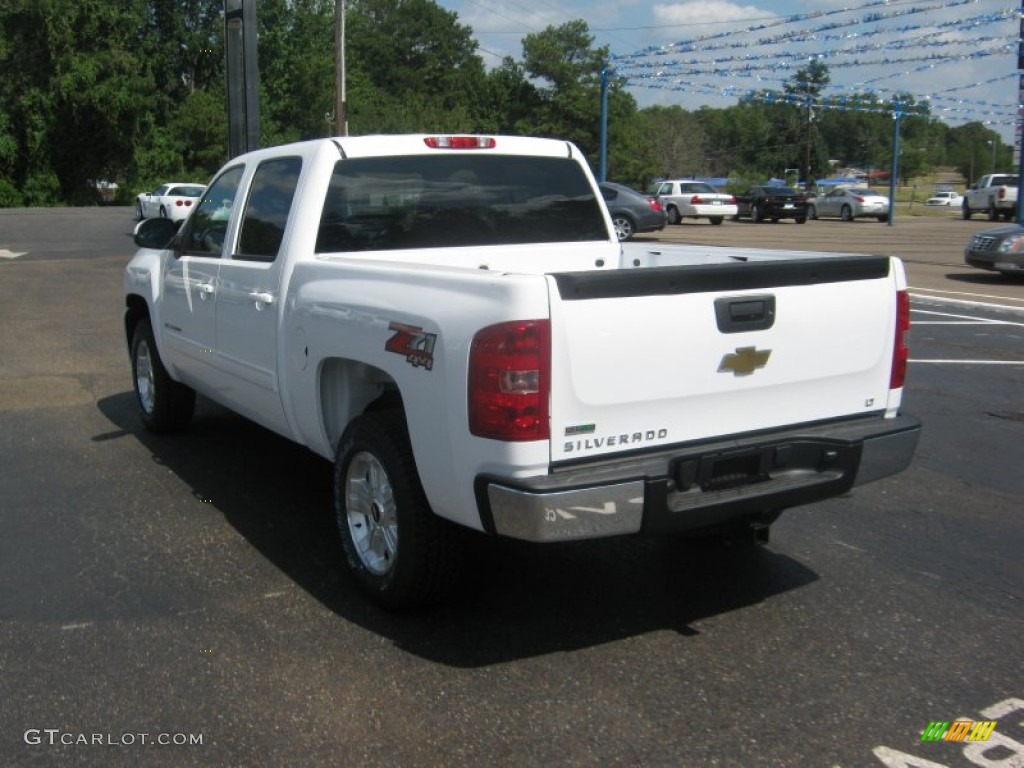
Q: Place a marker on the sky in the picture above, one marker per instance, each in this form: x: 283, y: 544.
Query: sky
x: 959, y: 54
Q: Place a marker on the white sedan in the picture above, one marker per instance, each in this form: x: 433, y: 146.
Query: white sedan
x: 692, y: 199
x: 849, y: 203
x: 954, y: 199
x: 173, y: 200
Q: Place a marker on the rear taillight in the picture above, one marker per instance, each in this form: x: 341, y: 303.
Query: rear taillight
x: 460, y: 142
x: 858, y: 199
x: 179, y: 203
x: 1002, y: 193
x: 695, y: 200
x: 655, y: 204
x: 900, y: 350
x: 509, y: 381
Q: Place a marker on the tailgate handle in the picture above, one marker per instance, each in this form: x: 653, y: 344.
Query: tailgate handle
x: 736, y: 314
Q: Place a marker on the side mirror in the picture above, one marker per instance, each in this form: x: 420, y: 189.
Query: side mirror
x: 155, y: 233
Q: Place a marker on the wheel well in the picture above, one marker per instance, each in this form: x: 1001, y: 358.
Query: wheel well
x: 348, y: 389
x: 135, y: 310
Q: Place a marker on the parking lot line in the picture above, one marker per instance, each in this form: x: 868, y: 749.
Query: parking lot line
x: 967, y: 319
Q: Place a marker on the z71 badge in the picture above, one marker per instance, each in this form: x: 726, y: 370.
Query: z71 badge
x: 414, y: 343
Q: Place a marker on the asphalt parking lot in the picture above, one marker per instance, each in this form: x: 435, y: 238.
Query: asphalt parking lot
x: 177, y: 601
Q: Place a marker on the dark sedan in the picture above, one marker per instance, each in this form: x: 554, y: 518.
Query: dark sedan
x: 1000, y: 249
x: 772, y: 203
x: 632, y: 211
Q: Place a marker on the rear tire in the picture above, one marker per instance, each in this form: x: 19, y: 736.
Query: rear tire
x: 966, y: 210
x: 673, y: 215
x: 812, y: 212
x: 399, y: 552
x: 164, y: 404
x: 801, y: 220
x: 993, y: 212
x: 755, y: 214
x: 846, y: 214
x: 717, y: 219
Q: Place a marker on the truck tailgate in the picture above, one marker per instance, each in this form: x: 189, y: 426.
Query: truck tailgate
x: 658, y: 356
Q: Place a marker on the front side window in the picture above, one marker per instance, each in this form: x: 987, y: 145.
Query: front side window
x: 204, y: 233
x: 453, y: 200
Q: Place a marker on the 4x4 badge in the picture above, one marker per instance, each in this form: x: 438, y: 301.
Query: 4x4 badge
x: 744, y: 361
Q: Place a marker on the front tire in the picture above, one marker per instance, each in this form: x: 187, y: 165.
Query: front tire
x: 399, y: 552
x: 138, y: 211
x: 812, y: 212
x: 164, y: 404
x: 624, y: 229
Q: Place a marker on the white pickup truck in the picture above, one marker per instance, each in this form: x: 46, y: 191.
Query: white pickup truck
x: 995, y: 194
x: 451, y: 321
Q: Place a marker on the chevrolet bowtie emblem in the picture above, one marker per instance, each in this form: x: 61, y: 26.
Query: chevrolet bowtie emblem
x: 744, y: 361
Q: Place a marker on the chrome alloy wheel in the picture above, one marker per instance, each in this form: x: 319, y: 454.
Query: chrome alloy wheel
x: 144, y: 377
x: 371, y: 513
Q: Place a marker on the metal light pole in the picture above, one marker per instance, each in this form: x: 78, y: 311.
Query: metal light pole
x: 894, y: 173
x: 340, y: 117
x: 1020, y: 119
x: 603, y: 169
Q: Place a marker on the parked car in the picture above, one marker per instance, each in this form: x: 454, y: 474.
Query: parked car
x: 173, y: 200
x: 773, y: 203
x: 1000, y: 250
x: 632, y: 211
x: 690, y: 199
x: 946, y: 198
x: 849, y: 203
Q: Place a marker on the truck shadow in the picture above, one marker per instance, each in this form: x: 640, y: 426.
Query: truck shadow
x: 518, y: 600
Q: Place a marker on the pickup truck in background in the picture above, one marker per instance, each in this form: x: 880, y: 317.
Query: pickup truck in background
x: 452, y: 322
x: 995, y: 194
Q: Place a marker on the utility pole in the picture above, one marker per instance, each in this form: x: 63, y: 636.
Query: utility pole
x: 341, y: 119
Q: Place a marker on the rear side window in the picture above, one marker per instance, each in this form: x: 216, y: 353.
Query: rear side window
x: 452, y: 200
x: 266, y: 210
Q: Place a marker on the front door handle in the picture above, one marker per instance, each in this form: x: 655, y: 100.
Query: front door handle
x: 262, y: 299
x: 205, y: 290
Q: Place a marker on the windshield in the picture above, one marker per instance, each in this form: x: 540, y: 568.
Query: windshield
x: 449, y: 200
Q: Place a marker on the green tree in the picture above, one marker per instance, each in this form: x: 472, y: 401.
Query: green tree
x: 567, y: 68
x: 73, y: 82
x: 414, y: 67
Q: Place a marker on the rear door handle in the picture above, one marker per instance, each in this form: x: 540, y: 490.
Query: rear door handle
x: 262, y: 299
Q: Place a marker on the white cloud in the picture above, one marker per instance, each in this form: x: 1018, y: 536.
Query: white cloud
x: 708, y: 12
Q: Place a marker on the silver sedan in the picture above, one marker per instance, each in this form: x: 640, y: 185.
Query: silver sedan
x: 849, y: 203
